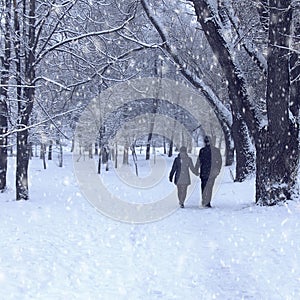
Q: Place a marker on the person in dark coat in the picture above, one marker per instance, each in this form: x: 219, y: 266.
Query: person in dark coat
x: 210, y: 162
x: 180, y: 168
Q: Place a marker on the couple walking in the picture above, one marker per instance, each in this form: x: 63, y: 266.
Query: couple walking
x: 209, y: 162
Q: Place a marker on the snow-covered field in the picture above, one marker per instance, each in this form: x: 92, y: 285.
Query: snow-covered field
x: 58, y: 246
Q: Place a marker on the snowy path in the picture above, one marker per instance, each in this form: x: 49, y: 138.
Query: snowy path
x: 57, y: 246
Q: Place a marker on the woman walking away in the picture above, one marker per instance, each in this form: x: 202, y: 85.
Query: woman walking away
x: 181, y: 166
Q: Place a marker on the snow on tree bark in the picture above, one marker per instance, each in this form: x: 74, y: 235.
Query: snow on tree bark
x: 278, y: 146
x: 236, y: 89
x: 25, y: 107
x: 277, y: 143
x: 5, y: 66
x: 3, y: 141
x: 222, y: 113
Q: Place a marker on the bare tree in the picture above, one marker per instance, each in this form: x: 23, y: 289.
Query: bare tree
x: 5, y: 55
x: 41, y: 29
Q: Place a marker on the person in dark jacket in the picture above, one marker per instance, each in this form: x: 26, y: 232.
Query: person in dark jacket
x: 180, y: 168
x: 210, y: 162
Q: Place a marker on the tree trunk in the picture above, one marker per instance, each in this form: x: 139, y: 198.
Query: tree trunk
x: 278, y: 147
x: 295, y: 76
x: 44, y: 158
x: 5, y: 65
x: 244, y: 150
x: 170, y: 152
x: 61, y: 156
x: 236, y: 90
x: 25, y: 106
x: 152, y: 122
x: 116, y: 156
x: 148, y: 146
x: 229, y: 145
x: 196, y: 82
x: 50, y: 148
x: 125, y: 156
x: 43, y: 155
x: 22, y: 166
x: 99, y: 162
x: 276, y: 166
x: 3, y: 142
x: 72, y: 145
x: 96, y: 149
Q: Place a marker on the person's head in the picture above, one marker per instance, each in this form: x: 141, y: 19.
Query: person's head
x: 207, y: 140
x: 183, y: 149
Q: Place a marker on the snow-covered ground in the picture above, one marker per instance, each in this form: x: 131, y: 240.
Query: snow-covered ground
x: 58, y: 246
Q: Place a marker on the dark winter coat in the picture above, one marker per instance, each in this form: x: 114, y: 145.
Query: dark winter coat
x: 210, y: 162
x: 181, y: 166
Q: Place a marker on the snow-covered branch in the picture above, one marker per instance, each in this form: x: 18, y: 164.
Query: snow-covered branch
x: 222, y: 112
x: 52, y: 81
x: 82, y: 36
x: 50, y: 118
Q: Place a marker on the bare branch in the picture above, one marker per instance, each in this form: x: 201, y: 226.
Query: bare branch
x: 80, y: 37
x: 39, y: 123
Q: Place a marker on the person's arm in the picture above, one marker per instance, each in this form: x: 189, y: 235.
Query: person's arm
x: 173, y: 170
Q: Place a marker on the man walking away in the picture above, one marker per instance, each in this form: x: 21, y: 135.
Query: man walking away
x: 210, y: 162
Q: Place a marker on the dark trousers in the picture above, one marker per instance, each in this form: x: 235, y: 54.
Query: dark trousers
x: 181, y: 192
x: 207, y: 185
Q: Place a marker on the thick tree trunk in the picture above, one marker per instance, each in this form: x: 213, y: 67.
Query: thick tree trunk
x: 236, y: 90
x: 278, y: 146
x: 26, y: 104
x: 295, y: 76
x: 276, y: 166
x: 244, y: 150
